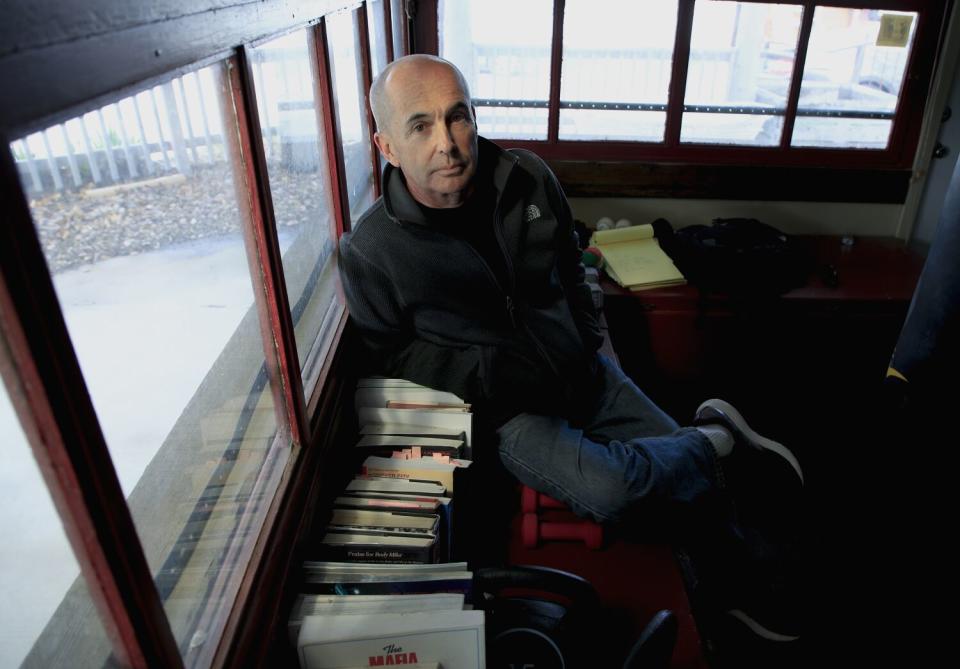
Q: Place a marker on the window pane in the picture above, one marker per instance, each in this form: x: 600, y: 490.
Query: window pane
x: 852, y: 78
x: 344, y: 43
x: 503, y: 49
x: 37, y: 565
x: 397, y: 20
x: 151, y: 272
x: 378, y: 36
x: 299, y: 185
x: 609, y: 64
x: 738, y: 79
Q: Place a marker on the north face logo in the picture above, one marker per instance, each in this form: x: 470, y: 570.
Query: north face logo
x: 531, y: 213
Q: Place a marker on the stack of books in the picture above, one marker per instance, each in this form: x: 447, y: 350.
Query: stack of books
x: 385, y: 593
x: 397, y: 508
x: 389, y: 520
x: 355, y: 615
x: 633, y: 258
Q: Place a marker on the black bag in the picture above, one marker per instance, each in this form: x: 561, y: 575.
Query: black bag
x: 736, y: 255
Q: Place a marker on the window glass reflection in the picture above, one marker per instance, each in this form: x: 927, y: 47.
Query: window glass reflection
x: 37, y: 566
x: 506, y: 62
x: 738, y: 79
x: 852, y: 77
x: 609, y: 64
x: 290, y: 122
x: 344, y: 44
x: 143, y: 234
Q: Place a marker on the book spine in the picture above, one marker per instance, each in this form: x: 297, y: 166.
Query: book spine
x: 456, y: 585
x: 379, y: 554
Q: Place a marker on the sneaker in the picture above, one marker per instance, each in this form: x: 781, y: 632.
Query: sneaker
x: 751, y: 602
x: 722, y: 413
x: 761, y: 476
x: 779, y: 630
x: 735, y: 644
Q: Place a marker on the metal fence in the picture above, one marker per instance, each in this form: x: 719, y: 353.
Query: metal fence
x: 174, y: 127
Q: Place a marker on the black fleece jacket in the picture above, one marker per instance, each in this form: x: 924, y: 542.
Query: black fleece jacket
x: 431, y: 310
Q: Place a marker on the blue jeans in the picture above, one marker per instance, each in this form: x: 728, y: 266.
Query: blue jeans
x: 622, y: 450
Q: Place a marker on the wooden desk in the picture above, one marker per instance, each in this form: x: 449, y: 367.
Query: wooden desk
x: 680, y: 345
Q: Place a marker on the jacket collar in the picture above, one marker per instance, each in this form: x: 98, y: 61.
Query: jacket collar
x: 402, y: 208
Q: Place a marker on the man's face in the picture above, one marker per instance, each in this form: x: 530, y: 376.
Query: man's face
x: 431, y: 134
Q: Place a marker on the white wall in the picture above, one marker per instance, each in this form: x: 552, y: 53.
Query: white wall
x: 814, y: 218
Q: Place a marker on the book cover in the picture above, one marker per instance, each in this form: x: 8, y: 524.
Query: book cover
x: 350, y: 605
x: 452, y: 421
x: 358, y: 584
x: 454, y: 639
x: 378, y: 397
x: 429, y: 406
x: 384, y: 519
x: 416, y: 469
x: 412, y: 431
x: 407, y: 504
x: 371, y: 545
x: 387, y: 443
x: 386, y: 382
x: 397, y: 486
x: 321, y: 569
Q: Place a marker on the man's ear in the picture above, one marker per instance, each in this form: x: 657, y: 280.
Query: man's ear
x: 383, y: 143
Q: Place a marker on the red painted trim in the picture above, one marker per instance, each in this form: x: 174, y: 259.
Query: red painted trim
x: 556, y: 65
x: 917, y: 83
x: 796, y: 78
x: 262, y: 639
x: 48, y: 392
x: 331, y: 350
x: 367, y: 65
x: 260, y: 628
x: 263, y: 252
x: 708, y: 154
x: 678, y: 77
x: 331, y: 127
x: 899, y: 154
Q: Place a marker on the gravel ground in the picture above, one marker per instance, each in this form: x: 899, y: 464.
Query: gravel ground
x: 91, y: 225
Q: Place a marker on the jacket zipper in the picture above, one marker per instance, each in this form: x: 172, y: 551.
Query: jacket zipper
x: 512, y: 277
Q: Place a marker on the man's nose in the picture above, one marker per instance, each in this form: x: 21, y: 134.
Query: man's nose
x: 443, y: 136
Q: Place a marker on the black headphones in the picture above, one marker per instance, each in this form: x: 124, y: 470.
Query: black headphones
x: 544, y: 618
x: 536, y: 617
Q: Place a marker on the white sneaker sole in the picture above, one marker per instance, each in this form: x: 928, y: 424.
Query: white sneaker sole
x: 759, y: 629
x: 757, y: 440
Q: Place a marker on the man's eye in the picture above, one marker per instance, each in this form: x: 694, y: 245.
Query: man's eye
x: 419, y: 127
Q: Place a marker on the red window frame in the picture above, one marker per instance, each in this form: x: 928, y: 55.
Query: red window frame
x: 42, y: 372
x: 904, y: 134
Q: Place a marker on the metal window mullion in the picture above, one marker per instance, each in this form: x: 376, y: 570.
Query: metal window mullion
x: 331, y: 127
x: 678, y: 74
x: 48, y: 390
x: 263, y: 251
x: 366, y: 61
x: 796, y: 79
x: 556, y: 68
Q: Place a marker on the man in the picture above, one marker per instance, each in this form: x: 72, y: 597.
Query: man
x: 466, y: 276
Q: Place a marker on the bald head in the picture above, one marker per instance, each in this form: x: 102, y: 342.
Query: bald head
x: 426, y: 127
x: 398, y: 74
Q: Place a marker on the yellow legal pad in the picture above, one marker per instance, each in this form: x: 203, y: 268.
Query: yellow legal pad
x: 634, y: 258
